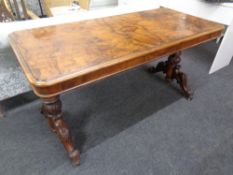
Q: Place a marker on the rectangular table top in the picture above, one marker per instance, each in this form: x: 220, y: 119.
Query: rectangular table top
x: 61, y: 57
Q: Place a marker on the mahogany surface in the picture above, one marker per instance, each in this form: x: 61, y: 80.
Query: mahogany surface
x: 61, y: 57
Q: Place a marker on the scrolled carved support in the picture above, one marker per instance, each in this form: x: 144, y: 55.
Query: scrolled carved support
x: 172, y: 69
x: 52, y: 109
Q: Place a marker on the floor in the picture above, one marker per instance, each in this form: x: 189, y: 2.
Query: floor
x: 133, y: 123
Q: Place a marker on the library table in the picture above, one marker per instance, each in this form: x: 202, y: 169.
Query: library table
x: 59, y: 58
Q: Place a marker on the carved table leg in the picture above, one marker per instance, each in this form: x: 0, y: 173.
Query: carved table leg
x: 172, y: 70
x: 52, y: 109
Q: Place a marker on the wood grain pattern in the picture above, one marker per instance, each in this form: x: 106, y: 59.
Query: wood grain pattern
x: 61, y: 57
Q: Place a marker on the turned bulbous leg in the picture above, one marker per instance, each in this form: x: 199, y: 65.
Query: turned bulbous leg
x: 52, y: 109
x: 171, y: 68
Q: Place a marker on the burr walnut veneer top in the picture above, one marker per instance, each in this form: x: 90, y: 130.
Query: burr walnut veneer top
x: 61, y: 57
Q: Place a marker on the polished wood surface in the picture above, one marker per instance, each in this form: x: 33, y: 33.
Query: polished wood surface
x: 58, y: 58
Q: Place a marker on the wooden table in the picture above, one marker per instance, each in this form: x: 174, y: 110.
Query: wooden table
x: 59, y: 58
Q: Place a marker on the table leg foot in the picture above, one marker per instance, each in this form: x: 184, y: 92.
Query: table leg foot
x: 1, y: 111
x: 171, y: 68
x: 52, y: 109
